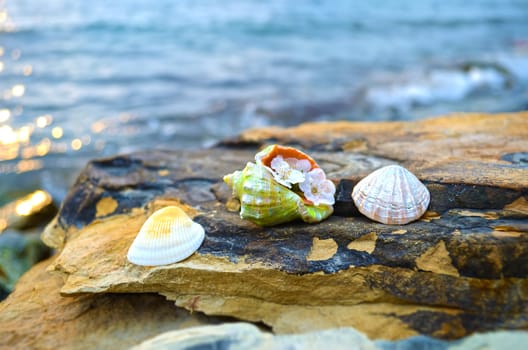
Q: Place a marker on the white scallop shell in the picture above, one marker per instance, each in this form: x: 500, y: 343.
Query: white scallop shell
x: 168, y: 236
x: 391, y: 195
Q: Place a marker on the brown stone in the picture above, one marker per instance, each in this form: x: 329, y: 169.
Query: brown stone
x: 36, y: 316
x: 448, y: 275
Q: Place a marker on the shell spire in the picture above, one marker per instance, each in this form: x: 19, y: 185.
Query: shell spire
x: 391, y: 195
x: 283, y: 184
x: 166, y: 237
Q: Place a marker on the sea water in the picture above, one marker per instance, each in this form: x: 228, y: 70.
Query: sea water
x: 86, y: 79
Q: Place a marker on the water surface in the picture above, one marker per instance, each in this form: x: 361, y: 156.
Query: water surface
x: 84, y: 79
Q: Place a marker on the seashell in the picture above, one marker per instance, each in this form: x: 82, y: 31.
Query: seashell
x: 391, y: 195
x: 266, y: 203
x: 168, y: 236
x: 267, y: 154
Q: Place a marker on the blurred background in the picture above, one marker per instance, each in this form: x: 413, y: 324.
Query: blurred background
x: 86, y: 79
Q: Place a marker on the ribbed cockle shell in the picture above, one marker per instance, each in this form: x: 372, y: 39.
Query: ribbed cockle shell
x: 168, y: 236
x: 391, y: 195
x: 266, y: 203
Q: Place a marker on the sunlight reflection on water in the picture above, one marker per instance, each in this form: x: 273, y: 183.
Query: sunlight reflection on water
x: 26, y: 142
x: 81, y: 80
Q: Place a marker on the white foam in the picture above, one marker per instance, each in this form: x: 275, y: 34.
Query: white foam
x: 438, y: 85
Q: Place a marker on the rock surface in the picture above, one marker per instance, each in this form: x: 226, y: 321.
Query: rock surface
x: 35, y: 316
x: 461, y: 269
x: 241, y: 336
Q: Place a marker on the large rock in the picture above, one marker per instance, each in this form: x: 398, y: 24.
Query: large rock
x: 461, y: 269
x: 36, y: 316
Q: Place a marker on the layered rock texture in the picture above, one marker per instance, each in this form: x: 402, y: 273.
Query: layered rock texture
x: 462, y: 268
x: 36, y: 316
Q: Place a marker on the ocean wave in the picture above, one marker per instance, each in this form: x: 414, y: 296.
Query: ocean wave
x: 402, y: 92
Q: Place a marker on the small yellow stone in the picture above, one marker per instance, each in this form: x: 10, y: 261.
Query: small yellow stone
x: 430, y: 215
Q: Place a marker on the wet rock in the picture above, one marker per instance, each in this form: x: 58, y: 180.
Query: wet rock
x: 241, y: 336
x: 234, y: 336
x: 461, y: 269
x: 36, y: 316
x: 31, y: 210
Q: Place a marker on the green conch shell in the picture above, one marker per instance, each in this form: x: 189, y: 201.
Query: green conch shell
x: 266, y: 203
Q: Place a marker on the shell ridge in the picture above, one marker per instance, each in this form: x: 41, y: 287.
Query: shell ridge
x: 409, y: 207
x: 166, y: 237
x: 391, y: 195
